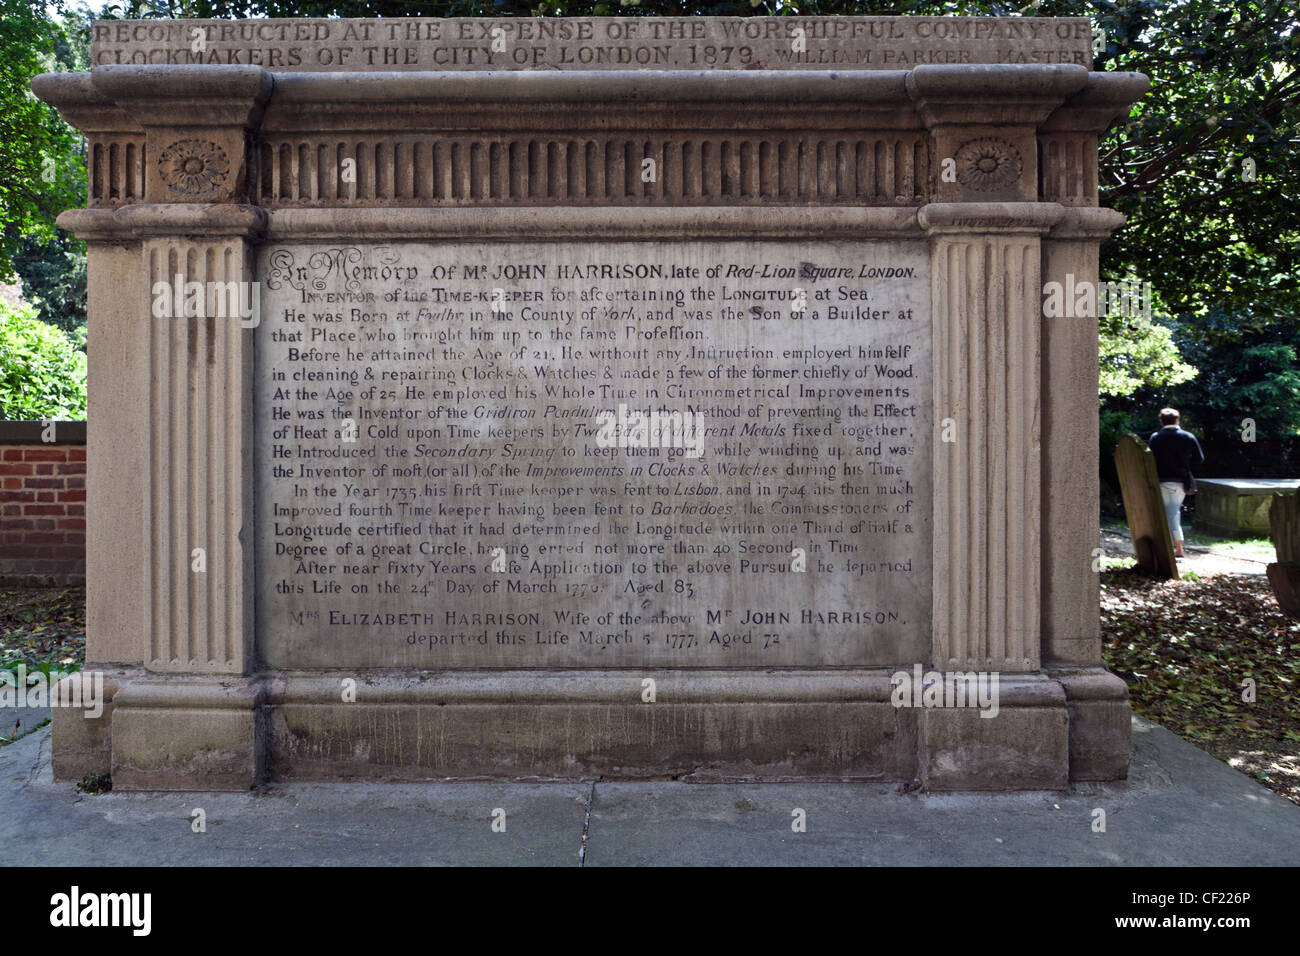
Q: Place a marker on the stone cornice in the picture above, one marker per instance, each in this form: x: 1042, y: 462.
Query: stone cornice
x: 590, y: 87
x: 1087, y: 223
x: 992, y: 94
x: 75, y: 97
x: 613, y: 223
x: 148, y: 220
x: 186, y: 96
x: 118, y: 97
x: 645, y: 102
x: 978, y: 218
x: 1105, y: 99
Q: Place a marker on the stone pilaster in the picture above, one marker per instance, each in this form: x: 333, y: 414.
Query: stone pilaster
x: 193, y: 377
x: 171, y: 217
x: 1097, y: 701
x: 198, y: 485
x: 986, y: 275
x: 987, y: 446
x: 985, y: 230
x: 1071, y: 631
x: 1016, y: 395
x: 1067, y: 141
x: 987, y: 494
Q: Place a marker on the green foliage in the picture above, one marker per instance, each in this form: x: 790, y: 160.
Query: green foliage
x: 1136, y: 352
x: 53, y: 273
x: 1255, y: 376
x: 95, y: 783
x: 42, y: 162
x: 1225, y: 89
x: 1115, y: 424
x: 1247, y: 372
x: 42, y: 370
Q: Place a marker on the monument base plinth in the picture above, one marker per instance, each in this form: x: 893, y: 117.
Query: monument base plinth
x: 83, y: 736
x: 1045, y: 730
x: 188, y: 733
x: 1100, y: 723
x: 1022, y: 745
x: 582, y: 724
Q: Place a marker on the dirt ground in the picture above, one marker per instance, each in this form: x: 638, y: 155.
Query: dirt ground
x: 1201, y: 560
x: 1187, y: 647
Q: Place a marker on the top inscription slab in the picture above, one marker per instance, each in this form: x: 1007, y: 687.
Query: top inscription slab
x: 595, y: 43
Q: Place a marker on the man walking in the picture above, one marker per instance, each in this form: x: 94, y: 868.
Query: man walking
x: 1176, y: 453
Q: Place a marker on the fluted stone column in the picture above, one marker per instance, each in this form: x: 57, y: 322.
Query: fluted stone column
x: 986, y: 275
x: 1097, y: 700
x: 199, y: 496
x: 174, y: 178
x: 985, y: 228
x: 988, y: 450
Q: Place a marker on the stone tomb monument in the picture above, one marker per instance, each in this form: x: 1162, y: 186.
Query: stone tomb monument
x: 553, y: 398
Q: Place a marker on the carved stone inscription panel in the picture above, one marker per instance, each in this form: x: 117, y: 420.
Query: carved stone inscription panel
x: 594, y: 454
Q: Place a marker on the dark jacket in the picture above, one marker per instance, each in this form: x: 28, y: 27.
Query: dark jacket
x: 1177, y: 452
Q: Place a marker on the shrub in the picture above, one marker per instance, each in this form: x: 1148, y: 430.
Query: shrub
x: 42, y: 372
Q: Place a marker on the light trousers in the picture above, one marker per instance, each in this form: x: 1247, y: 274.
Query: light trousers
x: 1173, y: 494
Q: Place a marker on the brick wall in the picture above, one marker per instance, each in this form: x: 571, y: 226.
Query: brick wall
x: 42, y: 504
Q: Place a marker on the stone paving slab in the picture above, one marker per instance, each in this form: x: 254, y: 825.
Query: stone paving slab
x: 1180, y: 807
x: 47, y: 823
x: 20, y: 721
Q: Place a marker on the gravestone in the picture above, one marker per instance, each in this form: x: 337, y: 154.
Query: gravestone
x: 1284, y: 573
x: 1144, y: 508
x: 604, y: 396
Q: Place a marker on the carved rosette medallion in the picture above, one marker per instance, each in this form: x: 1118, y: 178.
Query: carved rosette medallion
x: 194, y: 167
x: 988, y: 164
